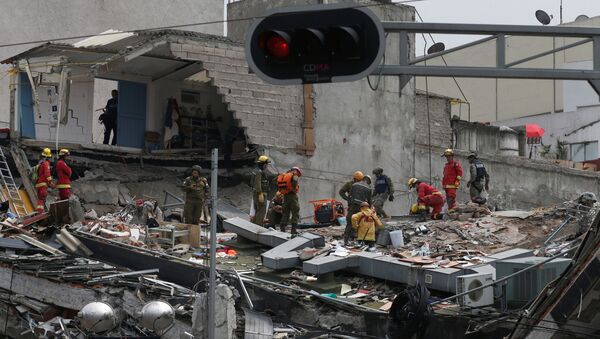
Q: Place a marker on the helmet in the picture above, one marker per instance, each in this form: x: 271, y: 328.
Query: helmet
x: 412, y: 182
x: 472, y: 155
x: 448, y: 152
x: 364, y: 204
x: 47, y: 153
x: 358, y: 176
x: 63, y: 151
x: 368, y: 179
x: 197, y: 168
x: 297, y: 169
x: 263, y: 159
x: 378, y: 171
x: 414, y: 208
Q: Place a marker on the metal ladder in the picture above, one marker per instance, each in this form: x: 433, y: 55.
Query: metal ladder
x: 14, y: 196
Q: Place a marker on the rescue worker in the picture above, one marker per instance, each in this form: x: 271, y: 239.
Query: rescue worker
x: 196, y: 190
x: 275, y: 211
x: 365, y: 223
x: 479, y: 179
x: 429, y: 196
x: 63, y: 171
x: 44, y: 179
x: 287, y: 185
x: 359, y: 193
x: 345, y: 190
x: 383, y: 190
x: 261, y: 188
x: 451, y: 181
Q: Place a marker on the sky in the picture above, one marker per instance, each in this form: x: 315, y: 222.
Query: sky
x: 509, y: 12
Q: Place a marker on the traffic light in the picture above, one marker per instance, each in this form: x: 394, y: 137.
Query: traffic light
x: 313, y: 44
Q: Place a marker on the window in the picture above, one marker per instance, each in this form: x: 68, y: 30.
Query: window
x: 584, y: 151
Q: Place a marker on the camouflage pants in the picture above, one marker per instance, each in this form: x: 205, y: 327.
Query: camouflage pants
x: 291, y: 211
x: 349, y: 231
x: 260, y: 210
x: 192, y: 211
x: 378, y: 202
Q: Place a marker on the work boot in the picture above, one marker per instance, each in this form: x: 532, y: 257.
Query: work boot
x: 294, y: 231
x: 282, y: 228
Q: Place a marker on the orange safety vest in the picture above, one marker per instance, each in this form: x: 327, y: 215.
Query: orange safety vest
x: 284, y: 183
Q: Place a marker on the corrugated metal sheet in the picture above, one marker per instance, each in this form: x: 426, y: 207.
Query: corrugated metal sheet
x: 105, y: 38
x: 257, y: 325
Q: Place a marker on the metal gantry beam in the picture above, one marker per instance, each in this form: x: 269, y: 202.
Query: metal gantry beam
x: 407, y: 68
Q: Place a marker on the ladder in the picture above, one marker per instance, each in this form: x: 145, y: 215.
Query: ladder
x: 14, y: 196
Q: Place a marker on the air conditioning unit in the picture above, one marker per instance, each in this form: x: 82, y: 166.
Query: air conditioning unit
x: 526, y: 286
x: 482, y: 297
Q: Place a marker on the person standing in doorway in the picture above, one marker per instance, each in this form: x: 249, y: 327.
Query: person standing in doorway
x: 63, y: 171
x: 196, y: 191
x: 452, y: 176
x: 109, y: 118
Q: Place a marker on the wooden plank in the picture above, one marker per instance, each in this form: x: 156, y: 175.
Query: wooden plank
x: 23, y: 167
x: 308, y: 147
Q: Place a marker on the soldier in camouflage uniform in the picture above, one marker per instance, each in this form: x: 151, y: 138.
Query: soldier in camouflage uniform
x: 261, y: 185
x: 196, y: 190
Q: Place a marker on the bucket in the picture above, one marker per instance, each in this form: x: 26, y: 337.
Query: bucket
x: 397, y: 239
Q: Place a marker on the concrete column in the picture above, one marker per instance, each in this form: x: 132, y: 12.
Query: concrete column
x: 225, y: 317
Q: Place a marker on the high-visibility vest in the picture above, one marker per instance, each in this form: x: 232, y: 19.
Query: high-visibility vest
x: 284, y: 183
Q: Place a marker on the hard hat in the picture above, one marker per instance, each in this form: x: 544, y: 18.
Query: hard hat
x: 263, y: 159
x: 412, y: 182
x: 364, y: 204
x: 297, y: 170
x: 197, y: 168
x: 63, y: 151
x: 472, y: 155
x: 358, y: 176
x: 47, y: 153
x: 414, y: 209
x: 448, y: 151
x: 378, y: 171
x: 368, y: 177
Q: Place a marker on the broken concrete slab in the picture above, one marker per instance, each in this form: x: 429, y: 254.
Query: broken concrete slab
x: 244, y: 228
x: 284, y: 255
x: 327, y: 264
x: 273, y: 238
x: 98, y: 192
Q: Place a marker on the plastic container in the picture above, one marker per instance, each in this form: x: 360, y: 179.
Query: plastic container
x: 397, y: 239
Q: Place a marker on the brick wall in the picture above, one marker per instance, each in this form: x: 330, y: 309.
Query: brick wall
x: 439, y: 118
x: 271, y: 115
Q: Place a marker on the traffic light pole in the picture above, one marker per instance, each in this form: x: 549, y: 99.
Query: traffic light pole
x: 407, y: 68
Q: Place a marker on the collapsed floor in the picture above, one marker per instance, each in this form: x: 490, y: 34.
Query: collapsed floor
x: 307, y: 285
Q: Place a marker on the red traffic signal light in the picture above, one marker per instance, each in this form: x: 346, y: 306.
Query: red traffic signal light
x: 312, y: 44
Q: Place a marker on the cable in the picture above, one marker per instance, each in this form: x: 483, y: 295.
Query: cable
x: 443, y: 59
x: 203, y: 23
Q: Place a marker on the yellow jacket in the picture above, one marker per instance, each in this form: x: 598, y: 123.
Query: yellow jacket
x: 364, y: 222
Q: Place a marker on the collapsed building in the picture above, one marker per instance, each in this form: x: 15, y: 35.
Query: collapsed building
x: 308, y: 285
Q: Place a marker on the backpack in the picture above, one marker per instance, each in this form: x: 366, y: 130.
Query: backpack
x: 481, y: 171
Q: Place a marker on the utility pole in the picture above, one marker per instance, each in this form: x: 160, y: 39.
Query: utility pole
x: 213, y: 243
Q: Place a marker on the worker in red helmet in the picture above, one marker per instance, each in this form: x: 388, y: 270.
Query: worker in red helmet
x: 287, y: 185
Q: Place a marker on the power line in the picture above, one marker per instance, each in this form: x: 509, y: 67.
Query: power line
x: 181, y: 26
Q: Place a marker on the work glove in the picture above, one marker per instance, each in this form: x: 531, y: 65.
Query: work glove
x: 261, y: 198
x: 391, y: 197
x: 457, y: 183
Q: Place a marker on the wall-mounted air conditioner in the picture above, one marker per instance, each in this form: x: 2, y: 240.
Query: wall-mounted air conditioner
x: 482, y: 297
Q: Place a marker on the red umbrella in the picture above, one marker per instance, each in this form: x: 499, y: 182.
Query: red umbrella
x: 534, y: 131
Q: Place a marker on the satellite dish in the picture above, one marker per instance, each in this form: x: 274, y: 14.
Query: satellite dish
x: 581, y: 17
x: 543, y: 17
x: 436, y: 48
x: 98, y: 317
x: 157, y: 316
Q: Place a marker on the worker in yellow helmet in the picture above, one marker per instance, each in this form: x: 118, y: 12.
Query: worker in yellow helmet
x: 43, y: 179
x: 261, y: 186
x: 63, y: 171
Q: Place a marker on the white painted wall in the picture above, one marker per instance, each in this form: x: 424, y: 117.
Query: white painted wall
x: 33, y: 20
x: 578, y: 93
x: 503, y: 99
